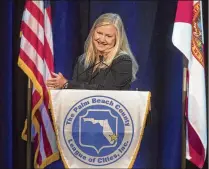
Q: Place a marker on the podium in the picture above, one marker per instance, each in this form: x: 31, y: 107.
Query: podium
x: 99, y: 128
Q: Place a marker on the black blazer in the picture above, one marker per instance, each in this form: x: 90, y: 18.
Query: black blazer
x: 117, y: 76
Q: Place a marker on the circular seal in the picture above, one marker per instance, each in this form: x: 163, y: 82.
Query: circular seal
x: 98, y: 130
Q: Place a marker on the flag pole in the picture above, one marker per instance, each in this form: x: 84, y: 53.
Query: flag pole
x: 29, y: 101
x: 183, y: 131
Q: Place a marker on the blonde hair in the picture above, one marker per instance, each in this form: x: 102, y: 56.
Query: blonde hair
x: 121, y: 45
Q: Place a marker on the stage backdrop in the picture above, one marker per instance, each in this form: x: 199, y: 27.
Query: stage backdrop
x: 149, y: 27
x: 6, y: 75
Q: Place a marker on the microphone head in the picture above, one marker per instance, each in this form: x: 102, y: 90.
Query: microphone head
x: 101, y: 58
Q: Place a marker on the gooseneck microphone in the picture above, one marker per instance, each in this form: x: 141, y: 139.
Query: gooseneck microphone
x: 101, y: 59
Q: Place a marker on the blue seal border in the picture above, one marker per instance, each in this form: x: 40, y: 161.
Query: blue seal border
x: 79, y: 149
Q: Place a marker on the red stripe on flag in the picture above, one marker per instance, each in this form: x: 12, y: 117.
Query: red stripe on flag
x: 47, y: 147
x: 186, y: 98
x: 48, y: 55
x: 33, y: 39
x: 184, y: 11
x: 33, y: 68
x: 196, y: 148
x: 36, y: 12
x: 48, y: 10
x: 30, y: 64
x: 39, y: 158
x: 37, y: 74
x: 35, y: 98
x: 46, y: 98
x: 36, y: 141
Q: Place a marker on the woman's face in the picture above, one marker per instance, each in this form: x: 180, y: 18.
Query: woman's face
x: 104, y: 38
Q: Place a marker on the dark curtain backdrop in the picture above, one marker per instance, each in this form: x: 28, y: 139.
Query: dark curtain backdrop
x: 149, y: 26
x: 6, y: 75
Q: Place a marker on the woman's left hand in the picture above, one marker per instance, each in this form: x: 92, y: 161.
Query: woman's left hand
x: 57, y: 81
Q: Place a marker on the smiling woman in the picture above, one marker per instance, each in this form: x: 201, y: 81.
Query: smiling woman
x: 107, y: 63
x: 104, y: 38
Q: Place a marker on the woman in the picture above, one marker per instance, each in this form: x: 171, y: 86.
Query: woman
x: 107, y: 62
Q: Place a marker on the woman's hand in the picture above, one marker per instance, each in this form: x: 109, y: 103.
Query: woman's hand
x: 56, y: 82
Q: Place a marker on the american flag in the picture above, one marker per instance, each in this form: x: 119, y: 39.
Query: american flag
x: 37, y: 61
x: 188, y: 38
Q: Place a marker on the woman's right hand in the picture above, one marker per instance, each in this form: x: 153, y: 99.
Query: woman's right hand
x: 56, y: 82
